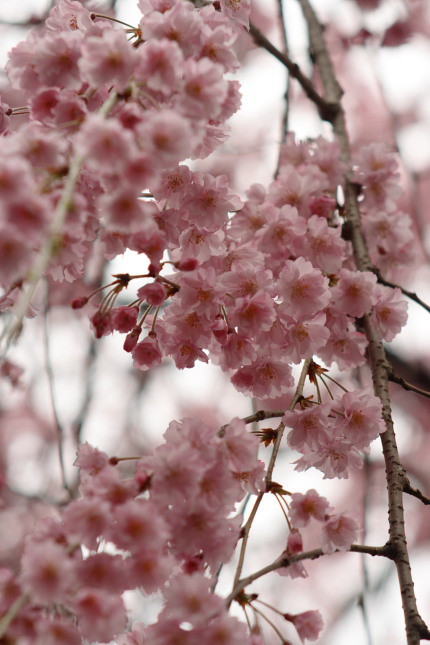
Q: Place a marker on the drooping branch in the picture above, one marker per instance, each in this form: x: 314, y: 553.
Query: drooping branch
x: 50, y: 374
x: 287, y: 560
x: 13, y: 330
x: 279, y: 434
x: 326, y: 108
x: 410, y: 294
x: 395, y: 475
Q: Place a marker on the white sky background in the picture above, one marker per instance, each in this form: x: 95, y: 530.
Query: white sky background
x: 404, y: 74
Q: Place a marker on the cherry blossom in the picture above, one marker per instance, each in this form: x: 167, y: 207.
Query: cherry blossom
x: 305, y: 507
x: 339, y: 532
x: 308, y: 624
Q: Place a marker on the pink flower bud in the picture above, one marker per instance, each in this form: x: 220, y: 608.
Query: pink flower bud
x: 190, y: 264
x: 154, y: 268
x: 154, y: 293
x: 78, y: 303
x: 131, y: 339
x: 102, y: 323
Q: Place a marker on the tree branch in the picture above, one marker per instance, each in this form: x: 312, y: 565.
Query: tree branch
x: 395, y: 474
x: 326, y: 109
x: 407, y: 386
x: 270, y: 467
x: 415, y: 492
x: 410, y: 294
x: 287, y: 560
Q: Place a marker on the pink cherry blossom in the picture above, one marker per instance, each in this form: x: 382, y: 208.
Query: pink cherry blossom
x: 304, y: 289
x: 237, y: 350
x: 339, y: 532
x: 176, y: 475
x: 70, y: 15
x: 147, y: 353
x: 177, y: 22
x: 308, y: 624
x: 167, y: 135
x: 264, y: 378
x: 105, y: 143
x: 241, y: 446
x: 56, y: 60
x: 283, y: 237
x: 108, y: 58
x: 138, y: 526
x: 124, y: 318
x: 304, y: 507
x: 57, y: 631
x: 100, y: 614
x: 111, y: 153
x: 307, y: 425
x: 148, y: 570
x: 154, y: 293
x: 189, y: 598
x: 305, y: 338
x: 237, y: 10
x: 86, y: 520
x: 294, y: 546
x: 47, y: 572
x: 324, y: 245
x: 91, y: 459
x: 102, y: 570
x: 158, y: 65
x: 390, y: 312
x: 362, y: 418
x: 205, y: 89
x: 251, y: 315
x: 355, y: 293
x: 333, y: 455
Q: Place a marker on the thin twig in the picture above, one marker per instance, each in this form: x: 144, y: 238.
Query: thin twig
x: 13, y: 329
x: 407, y: 386
x: 50, y: 375
x: 287, y: 560
x: 12, y: 613
x: 410, y: 294
x: 261, y: 415
x: 280, y: 431
x: 364, y: 569
x: 415, y: 492
x: 286, y: 110
x: 326, y: 109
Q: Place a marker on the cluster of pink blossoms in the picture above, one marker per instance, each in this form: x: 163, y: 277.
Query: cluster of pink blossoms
x: 255, y: 287
x: 170, y: 523
x: 339, y: 530
x: 331, y: 435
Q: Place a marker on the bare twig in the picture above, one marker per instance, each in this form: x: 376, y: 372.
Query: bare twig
x: 262, y: 415
x: 415, y: 492
x: 13, y: 329
x: 407, y: 386
x: 50, y: 375
x: 326, y: 109
x: 410, y: 294
x: 287, y: 560
x: 286, y: 111
x: 280, y: 431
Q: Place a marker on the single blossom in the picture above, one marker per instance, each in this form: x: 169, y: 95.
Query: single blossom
x: 308, y: 624
x: 304, y: 507
x: 339, y: 532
